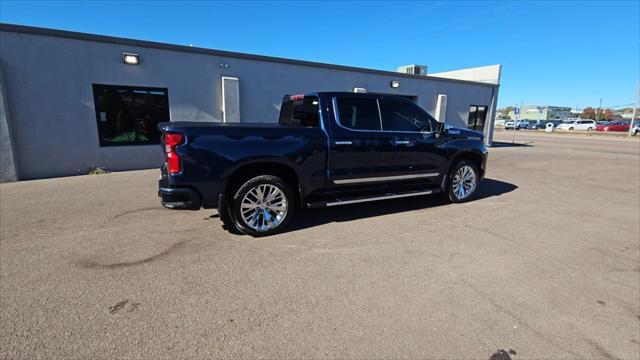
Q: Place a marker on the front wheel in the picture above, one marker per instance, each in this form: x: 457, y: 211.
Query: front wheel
x: 262, y: 206
x: 571, y: 129
x: 462, y: 181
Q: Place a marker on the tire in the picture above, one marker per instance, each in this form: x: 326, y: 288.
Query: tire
x: 571, y: 128
x: 589, y: 129
x: 253, y: 209
x: 450, y: 187
x: 224, y: 212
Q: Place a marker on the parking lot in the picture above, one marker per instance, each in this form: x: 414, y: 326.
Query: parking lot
x: 544, y: 264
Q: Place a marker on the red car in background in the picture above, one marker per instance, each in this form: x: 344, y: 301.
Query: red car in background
x: 613, y: 126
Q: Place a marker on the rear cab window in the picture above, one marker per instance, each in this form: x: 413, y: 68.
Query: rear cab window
x: 300, y: 110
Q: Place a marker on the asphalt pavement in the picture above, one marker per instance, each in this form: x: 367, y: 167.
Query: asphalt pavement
x: 544, y: 264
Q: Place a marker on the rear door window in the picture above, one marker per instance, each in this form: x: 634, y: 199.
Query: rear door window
x: 300, y: 111
x: 359, y: 113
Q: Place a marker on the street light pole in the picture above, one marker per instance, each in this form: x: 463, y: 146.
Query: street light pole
x: 516, y: 121
x: 516, y: 116
x: 599, y: 110
x: 635, y: 107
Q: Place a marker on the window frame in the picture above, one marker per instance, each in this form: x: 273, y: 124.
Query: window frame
x: 475, y: 123
x: 407, y: 102
x: 336, y: 114
x: 103, y: 143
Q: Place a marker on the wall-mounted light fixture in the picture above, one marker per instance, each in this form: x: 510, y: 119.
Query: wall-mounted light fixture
x: 395, y: 84
x: 131, y: 59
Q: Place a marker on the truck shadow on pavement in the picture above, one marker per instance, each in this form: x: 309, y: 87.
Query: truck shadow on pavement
x: 502, y: 144
x: 307, y: 218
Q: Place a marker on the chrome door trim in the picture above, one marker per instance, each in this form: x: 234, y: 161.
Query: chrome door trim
x: 384, y: 178
x: 385, y: 197
x: 343, y: 142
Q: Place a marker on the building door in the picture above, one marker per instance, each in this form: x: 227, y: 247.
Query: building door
x: 230, y: 99
x: 477, y: 117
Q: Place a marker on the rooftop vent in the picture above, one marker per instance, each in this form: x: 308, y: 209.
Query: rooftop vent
x: 413, y: 69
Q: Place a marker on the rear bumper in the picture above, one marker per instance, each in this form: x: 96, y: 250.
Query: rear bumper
x: 179, y: 198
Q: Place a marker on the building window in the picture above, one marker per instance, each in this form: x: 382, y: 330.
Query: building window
x: 129, y: 115
x: 477, y: 117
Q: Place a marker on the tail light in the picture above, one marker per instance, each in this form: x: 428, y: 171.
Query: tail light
x: 171, y: 140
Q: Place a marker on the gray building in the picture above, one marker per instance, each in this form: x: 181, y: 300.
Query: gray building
x: 535, y: 112
x: 70, y: 102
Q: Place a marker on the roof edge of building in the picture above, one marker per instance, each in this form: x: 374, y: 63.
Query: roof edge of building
x: 205, y: 51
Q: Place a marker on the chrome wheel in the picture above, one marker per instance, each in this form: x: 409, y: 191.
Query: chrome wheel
x: 264, y: 207
x: 464, y: 182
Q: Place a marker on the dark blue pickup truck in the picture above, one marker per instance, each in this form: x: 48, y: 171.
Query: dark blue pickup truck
x: 329, y: 149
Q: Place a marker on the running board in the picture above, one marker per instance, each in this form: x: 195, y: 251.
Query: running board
x: 355, y: 200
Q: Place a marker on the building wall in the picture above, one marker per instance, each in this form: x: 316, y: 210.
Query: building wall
x: 488, y: 74
x: 530, y: 112
x: 49, y: 79
x: 559, y: 112
x: 7, y: 160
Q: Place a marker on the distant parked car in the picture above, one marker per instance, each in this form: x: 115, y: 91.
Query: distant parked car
x: 614, y: 126
x: 580, y: 125
x: 636, y: 129
x: 555, y: 122
x: 535, y: 125
x: 521, y: 124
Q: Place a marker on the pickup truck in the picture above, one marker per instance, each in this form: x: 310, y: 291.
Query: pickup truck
x: 328, y: 149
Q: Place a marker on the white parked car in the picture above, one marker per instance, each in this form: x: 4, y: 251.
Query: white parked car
x: 521, y: 124
x: 583, y: 125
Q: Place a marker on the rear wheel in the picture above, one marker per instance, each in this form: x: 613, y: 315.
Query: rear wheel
x: 224, y: 212
x: 262, y: 206
x: 589, y: 129
x: 462, y: 181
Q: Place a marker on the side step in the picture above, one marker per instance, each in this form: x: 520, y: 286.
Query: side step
x: 361, y: 199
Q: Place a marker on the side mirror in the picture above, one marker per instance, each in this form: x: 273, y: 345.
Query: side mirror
x: 443, y: 128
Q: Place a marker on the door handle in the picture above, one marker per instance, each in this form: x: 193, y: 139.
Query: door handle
x: 343, y: 142
x: 402, y: 142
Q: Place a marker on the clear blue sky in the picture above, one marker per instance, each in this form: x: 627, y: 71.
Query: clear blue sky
x: 558, y: 53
